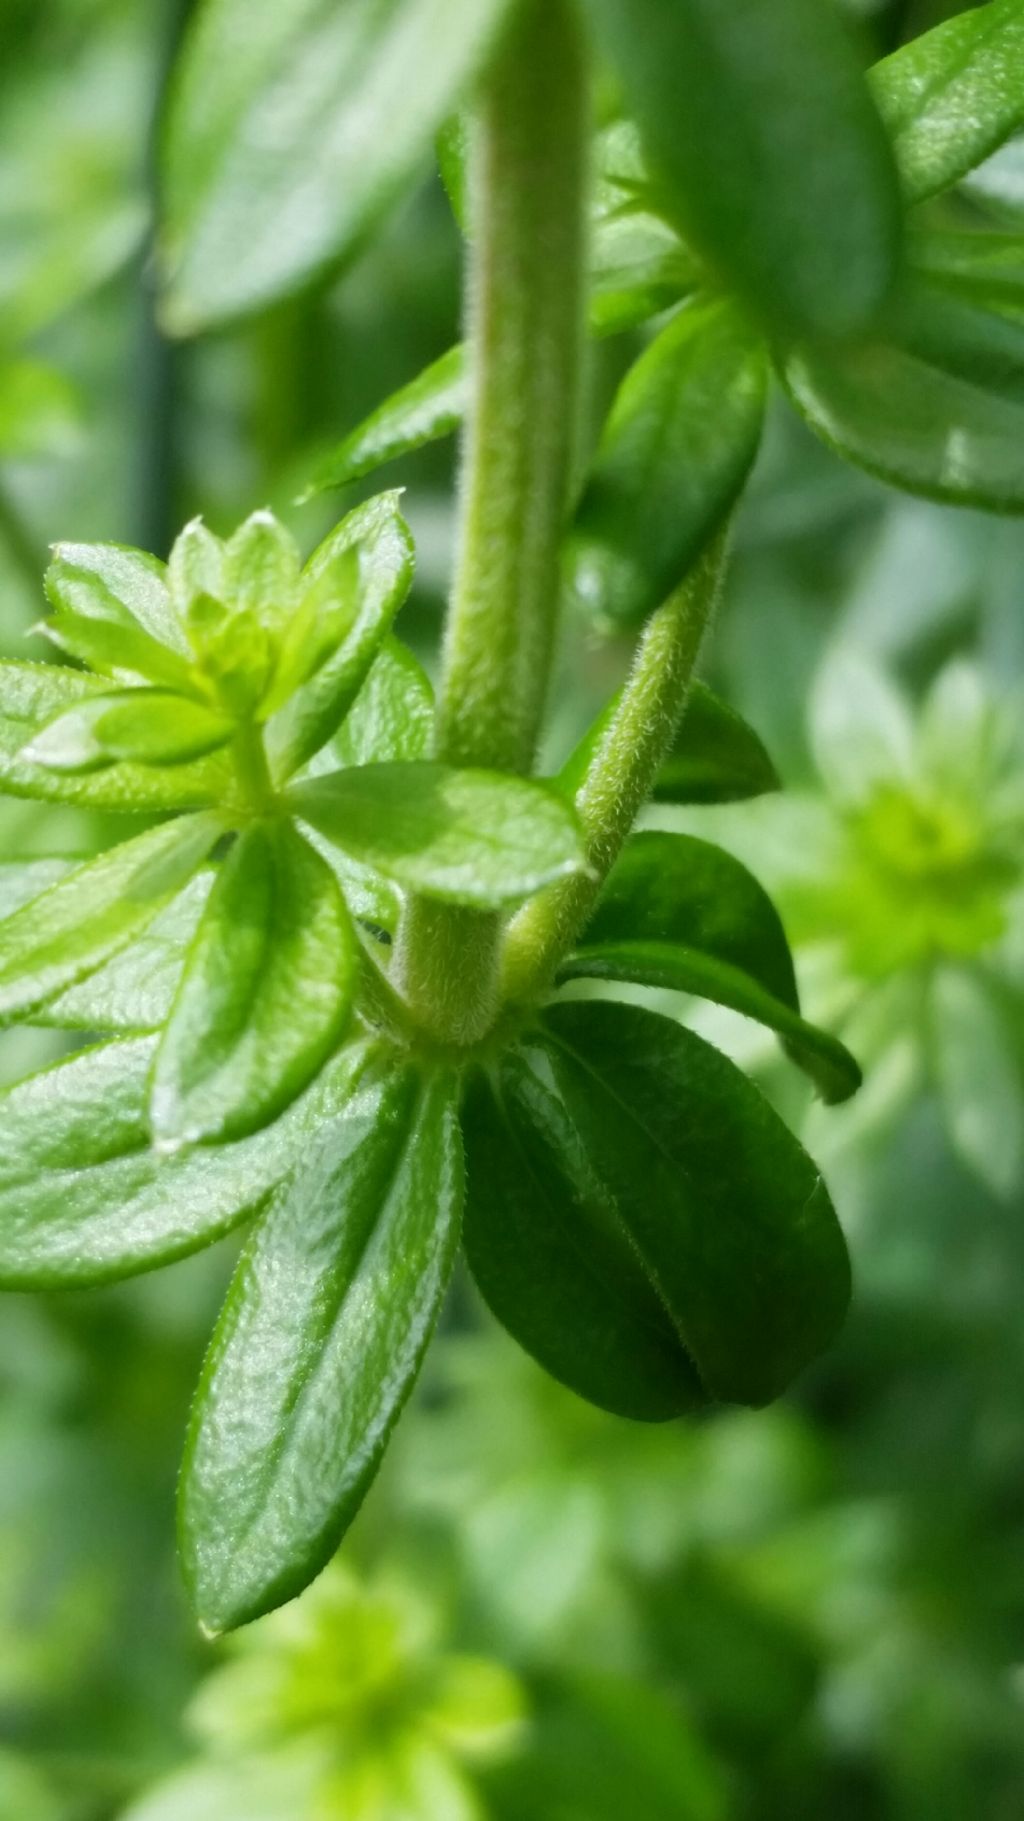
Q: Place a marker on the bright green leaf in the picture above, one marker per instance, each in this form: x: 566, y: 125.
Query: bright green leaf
x: 319, y: 1344
x: 736, y: 104
x: 40, y: 413
x: 291, y: 131
x: 430, y: 407
x: 477, y: 838
x: 366, y: 564
x: 675, y: 453
x: 92, y: 623
x: 135, y: 989
x: 93, y: 911
x: 951, y: 96
x: 144, y: 726
x: 261, y: 570
x: 265, y: 994
x: 726, y: 1211
x: 136, y: 580
x: 681, y: 915
x: 85, y: 1198
x: 979, y: 1065
x: 551, y: 1258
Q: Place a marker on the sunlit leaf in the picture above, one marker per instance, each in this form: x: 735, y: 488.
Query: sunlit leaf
x: 428, y: 408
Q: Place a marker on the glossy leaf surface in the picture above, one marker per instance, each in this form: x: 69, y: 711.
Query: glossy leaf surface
x: 951, y: 96
x: 144, y: 726
x: 683, y: 915
x: 265, y: 994
x: 735, y: 103
x: 93, y: 911
x: 293, y: 128
x: 677, y: 448
x: 551, y: 1257
x: 727, y: 1212
x: 478, y: 838
x: 319, y: 1344
x: 85, y: 1198
x: 430, y: 407
x: 393, y: 714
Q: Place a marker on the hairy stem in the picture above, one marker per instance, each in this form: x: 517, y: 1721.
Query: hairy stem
x: 525, y: 309
x: 620, y: 776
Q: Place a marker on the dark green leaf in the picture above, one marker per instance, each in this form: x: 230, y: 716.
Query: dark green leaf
x: 95, y: 910
x: 950, y: 97
x: 938, y: 409
x: 736, y: 104
x: 639, y: 267
x: 265, y: 995
x: 85, y: 1198
x: 33, y: 694
x: 728, y: 1214
x: 478, y: 838
x: 293, y: 128
x: 367, y: 562
x: 716, y: 756
x: 144, y: 726
x: 319, y: 1344
x: 430, y: 407
x: 551, y: 1257
x: 682, y: 915
x: 675, y: 453
x: 986, y: 268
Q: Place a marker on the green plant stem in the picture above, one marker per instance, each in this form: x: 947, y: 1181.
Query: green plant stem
x: 526, y: 308
x: 620, y: 777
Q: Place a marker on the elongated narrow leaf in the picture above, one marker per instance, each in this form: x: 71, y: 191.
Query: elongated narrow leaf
x: 759, y: 120
x: 716, y: 756
x: 145, y: 726
x: 726, y: 1211
x: 319, y: 1344
x: 375, y: 539
x: 682, y: 915
x: 106, y: 629
x: 135, y: 989
x: 293, y: 128
x: 265, y: 995
x: 937, y: 410
x: 986, y: 268
x: 93, y: 911
x: 478, y: 838
x: 639, y: 267
x: 84, y: 1197
x: 675, y: 453
x: 432, y: 406
x: 551, y: 1258
x: 950, y: 97
x: 33, y: 694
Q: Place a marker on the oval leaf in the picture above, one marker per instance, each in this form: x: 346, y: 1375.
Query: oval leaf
x: 737, y: 104
x: 319, y: 1344
x: 265, y: 994
x: 432, y: 406
x: 953, y: 95
x: 144, y: 726
x: 681, y: 915
x: 551, y: 1258
x: 93, y: 911
x: 478, y: 838
x: 727, y: 1212
x: 675, y: 453
x: 293, y: 128
x: 84, y: 1197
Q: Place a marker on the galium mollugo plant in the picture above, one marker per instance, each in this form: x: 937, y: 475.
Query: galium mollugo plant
x: 332, y: 977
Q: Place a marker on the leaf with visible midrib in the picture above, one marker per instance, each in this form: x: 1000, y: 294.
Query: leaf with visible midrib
x: 319, y: 1344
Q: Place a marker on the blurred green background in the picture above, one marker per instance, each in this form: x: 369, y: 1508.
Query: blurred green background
x: 814, y: 1613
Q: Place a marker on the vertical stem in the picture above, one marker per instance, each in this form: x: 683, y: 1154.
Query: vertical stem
x: 620, y: 775
x: 525, y: 309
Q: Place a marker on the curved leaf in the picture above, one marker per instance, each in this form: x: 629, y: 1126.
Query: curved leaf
x: 319, y: 1344
x: 265, y: 993
x: 430, y: 407
x: 727, y: 1212
x: 293, y: 128
x: 551, y: 1259
x: 738, y: 104
x: 144, y: 726
x: 682, y: 915
x: 84, y: 1197
x: 953, y: 95
x: 479, y: 838
x: 675, y: 453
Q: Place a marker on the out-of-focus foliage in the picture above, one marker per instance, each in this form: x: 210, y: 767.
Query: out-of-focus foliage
x: 814, y: 1611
